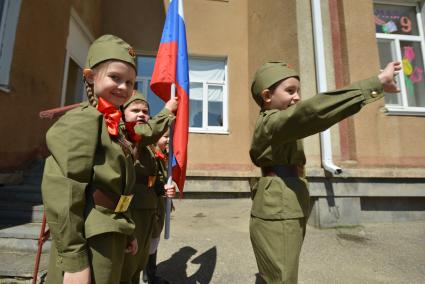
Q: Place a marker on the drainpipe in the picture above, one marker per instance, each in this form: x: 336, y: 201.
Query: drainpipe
x: 319, y: 54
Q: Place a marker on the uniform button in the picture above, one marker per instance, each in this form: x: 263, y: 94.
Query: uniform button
x: 374, y: 94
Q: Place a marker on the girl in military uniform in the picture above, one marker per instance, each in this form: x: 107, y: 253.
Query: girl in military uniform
x: 89, y: 176
x: 145, y: 200
x: 161, y: 154
x: 280, y: 206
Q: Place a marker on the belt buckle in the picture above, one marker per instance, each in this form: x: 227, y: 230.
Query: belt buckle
x: 123, y: 203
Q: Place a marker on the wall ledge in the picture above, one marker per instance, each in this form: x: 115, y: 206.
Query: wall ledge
x: 319, y: 172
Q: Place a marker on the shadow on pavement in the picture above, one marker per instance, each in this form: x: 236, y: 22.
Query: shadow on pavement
x: 174, y: 269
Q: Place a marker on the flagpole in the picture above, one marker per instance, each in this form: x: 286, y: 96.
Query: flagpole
x: 168, y: 200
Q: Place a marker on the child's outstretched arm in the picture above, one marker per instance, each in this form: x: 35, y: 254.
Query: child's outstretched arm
x: 320, y: 112
x: 386, y: 77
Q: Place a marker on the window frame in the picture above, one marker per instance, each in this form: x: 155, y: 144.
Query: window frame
x: 224, y: 84
x: 213, y: 129
x: 8, y: 24
x: 404, y: 109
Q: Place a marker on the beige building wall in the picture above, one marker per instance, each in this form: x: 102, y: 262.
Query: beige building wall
x: 219, y: 29
x: 381, y: 140
x: 138, y: 22
x: 36, y: 77
x: 272, y: 35
x: 246, y: 33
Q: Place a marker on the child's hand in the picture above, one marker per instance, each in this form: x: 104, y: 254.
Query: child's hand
x: 170, y: 190
x: 132, y: 247
x: 386, y: 77
x: 82, y: 277
x: 172, y: 104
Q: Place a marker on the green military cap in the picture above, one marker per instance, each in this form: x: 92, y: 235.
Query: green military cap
x: 268, y: 74
x: 136, y: 96
x: 109, y: 47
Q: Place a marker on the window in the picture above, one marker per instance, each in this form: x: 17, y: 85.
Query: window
x: 207, y: 94
x: 9, y: 12
x: 145, y: 66
x: 400, y: 36
x: 74, y: 92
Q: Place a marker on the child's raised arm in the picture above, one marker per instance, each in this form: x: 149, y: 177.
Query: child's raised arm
x: 172, y: 104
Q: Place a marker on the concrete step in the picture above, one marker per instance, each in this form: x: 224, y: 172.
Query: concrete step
x: 14, y: 177
x: 18, y: 267
x: 30, y: 188
x: 34, y: 173
x: 13, y: 195
x: 21, y: 238
x: 14, y: 213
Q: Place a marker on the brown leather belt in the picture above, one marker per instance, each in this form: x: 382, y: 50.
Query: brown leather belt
x: 110, y: 200
x: 146, y: 180
x: 283, y: 171
x: 141, y: 179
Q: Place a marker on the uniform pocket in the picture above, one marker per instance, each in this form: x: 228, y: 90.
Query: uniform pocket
x: 297, y: 197
x: 277, y: 199
x: 267, y: 200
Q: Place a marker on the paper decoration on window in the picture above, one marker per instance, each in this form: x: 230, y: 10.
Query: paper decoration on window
x: 409, y: 53
x: 387, y: 27
x: 412, y: 75
x: 407, y: 67
x: 417, y: 75
x: 409, y: 86
x: 388, y: 22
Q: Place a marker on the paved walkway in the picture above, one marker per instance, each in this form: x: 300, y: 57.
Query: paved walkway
x: 210, y: 243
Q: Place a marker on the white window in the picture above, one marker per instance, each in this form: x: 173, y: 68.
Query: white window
x: 400, y: 36
x: 9, y: 14
x: 207, y: 94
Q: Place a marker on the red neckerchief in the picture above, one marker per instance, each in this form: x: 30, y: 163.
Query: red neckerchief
x: 159, y: 154
x: 129, y: 126
x: 111, y: 114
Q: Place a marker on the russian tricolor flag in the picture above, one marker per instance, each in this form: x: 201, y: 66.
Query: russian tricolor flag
x: 171, y: 66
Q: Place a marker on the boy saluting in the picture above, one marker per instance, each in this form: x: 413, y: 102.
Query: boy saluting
x: 280, y: 199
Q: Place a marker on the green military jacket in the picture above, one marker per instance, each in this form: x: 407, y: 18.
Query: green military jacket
x: 83, y: 156
x: 148, y: 165
x: 145, y: 197
x: 276, y: 141
x: 150, y: 131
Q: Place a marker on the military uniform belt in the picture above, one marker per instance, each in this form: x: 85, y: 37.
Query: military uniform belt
x: 146, y: 180
x: 111, y: 201
x: 283, y: 171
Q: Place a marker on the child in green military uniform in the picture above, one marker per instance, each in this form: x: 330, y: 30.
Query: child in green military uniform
x: 161, y: 154
x: 88, y: 178
x: 144, y: 203
x: 280, y: 206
